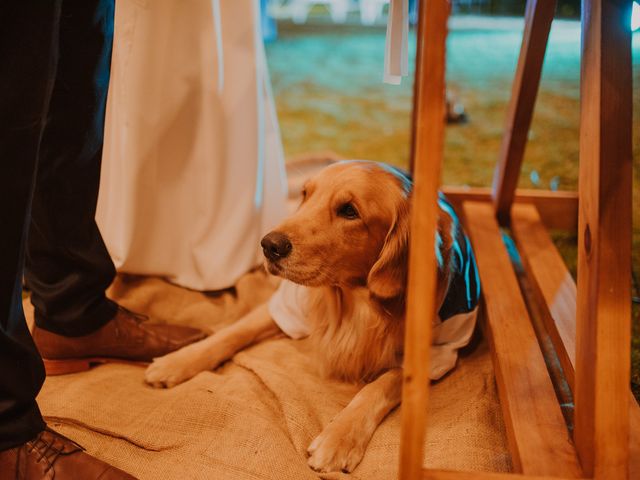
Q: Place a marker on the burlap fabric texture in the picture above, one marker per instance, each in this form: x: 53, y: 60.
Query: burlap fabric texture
x: 254, y: 417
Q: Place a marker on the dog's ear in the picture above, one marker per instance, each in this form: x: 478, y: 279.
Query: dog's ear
x: 388, y: 276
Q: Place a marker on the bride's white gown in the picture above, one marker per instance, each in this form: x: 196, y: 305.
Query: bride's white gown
x: 193, y: 169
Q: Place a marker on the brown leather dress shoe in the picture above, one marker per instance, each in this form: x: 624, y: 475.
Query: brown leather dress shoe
x: 51, y: 455
x: 127, y: 338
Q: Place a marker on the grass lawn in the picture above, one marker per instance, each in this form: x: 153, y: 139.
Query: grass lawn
x: 329, y: 96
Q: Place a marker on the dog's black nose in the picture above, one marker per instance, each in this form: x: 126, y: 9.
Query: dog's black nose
x: 275, y: 246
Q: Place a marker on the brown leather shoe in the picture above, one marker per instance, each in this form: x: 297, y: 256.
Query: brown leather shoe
x: 127, y: 338
x: 51, y: 455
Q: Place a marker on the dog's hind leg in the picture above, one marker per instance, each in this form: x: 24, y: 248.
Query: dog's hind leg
x: 207, y: 354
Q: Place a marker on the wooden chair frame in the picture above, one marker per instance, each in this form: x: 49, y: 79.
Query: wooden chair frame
x: 589, y: 326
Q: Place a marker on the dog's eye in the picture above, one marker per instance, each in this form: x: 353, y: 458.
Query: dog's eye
x: 304, y: 193
x: 348, y: 211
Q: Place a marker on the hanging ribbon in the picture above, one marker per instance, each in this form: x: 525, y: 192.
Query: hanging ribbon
x: 217, y: 30
x: 396, y: 55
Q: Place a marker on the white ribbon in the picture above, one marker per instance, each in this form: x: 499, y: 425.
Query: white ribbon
x: 396, y: 56
x: 217, y: 29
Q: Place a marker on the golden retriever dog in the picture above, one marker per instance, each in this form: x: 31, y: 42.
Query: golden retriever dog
x: 344, y: 253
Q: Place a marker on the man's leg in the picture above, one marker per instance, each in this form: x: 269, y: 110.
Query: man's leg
x: 28, y: 46
x: 68, y: 266
x: 28, y: 55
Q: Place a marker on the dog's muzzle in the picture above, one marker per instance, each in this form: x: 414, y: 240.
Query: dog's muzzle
x: 275, y: 246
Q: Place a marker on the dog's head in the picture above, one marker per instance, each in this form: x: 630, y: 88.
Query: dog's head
x: 351, y: 229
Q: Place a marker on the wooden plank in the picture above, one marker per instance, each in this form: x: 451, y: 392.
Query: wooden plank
x: 452, y: 475
x: 538, y: 18
x: 634, y: 437
x: 559, y: 210
x: 421, y: 288
x: 417, y: 75
x: 538, y: 438
x: 603, y: 326
x: 554, y: 287
x: 557, y: 294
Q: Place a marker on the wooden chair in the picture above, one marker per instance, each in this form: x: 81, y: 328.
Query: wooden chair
x: 589, y: 326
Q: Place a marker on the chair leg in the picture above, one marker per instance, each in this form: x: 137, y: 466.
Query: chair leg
x: 538, y: 18
x: 421, y: 297
x: 603, y: 323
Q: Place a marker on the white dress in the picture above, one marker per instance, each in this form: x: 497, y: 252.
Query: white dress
x: 193, y: 169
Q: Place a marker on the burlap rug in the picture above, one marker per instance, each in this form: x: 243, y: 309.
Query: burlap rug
x: 255, y: 416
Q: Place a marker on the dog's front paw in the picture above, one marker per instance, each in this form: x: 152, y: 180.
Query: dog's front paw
x: 339, y: 447
x: 170, y: 370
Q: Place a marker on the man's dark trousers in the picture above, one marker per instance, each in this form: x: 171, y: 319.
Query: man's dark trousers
x: 54, y: 73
